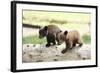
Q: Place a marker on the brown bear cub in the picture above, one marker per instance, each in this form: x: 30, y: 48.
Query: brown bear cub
x: 50, y: 33
x: 70, y: 38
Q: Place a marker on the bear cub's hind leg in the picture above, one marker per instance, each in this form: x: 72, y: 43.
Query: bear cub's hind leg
x: 80, y: 42
x: 64, y: 51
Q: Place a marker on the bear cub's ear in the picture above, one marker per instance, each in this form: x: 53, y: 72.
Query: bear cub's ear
x: 66, y: 32
x: 45, y: 28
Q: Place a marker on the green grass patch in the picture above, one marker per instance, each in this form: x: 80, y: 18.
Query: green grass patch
x: 36, y: 40
x: 86, y: 38
x: 33, y: 40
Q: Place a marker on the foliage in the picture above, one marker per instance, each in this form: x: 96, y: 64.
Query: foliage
x: 86, y: 38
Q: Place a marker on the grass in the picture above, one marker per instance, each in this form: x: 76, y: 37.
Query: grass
x: 35, y: 39
x: 86, y: 38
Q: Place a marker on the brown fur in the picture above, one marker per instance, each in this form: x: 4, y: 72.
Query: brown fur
x: 49, y: 32
x: 70, y: 38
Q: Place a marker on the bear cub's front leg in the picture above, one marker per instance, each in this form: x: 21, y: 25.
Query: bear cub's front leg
x: 48, y: 44
x: 50, y: 40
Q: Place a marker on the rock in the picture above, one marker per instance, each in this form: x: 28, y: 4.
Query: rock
x: 40, y: 53
x: 84, y: 52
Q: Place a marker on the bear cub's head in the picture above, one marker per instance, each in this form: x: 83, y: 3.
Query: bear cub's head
x: 43, y: 32
x: 61, y: 37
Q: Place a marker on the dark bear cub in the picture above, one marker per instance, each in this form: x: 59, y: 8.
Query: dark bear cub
x: 50, y: 33
x: 70, y: 38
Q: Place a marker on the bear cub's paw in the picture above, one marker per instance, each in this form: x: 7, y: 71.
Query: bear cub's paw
x: 47, y: 45
x: 64, y: 51
x: 80, y: 44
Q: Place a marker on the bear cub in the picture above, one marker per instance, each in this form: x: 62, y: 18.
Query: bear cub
x: 70, y: 38
x: 50, y: 32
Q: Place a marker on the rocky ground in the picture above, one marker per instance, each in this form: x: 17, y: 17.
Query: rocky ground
x: 40, y: 53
